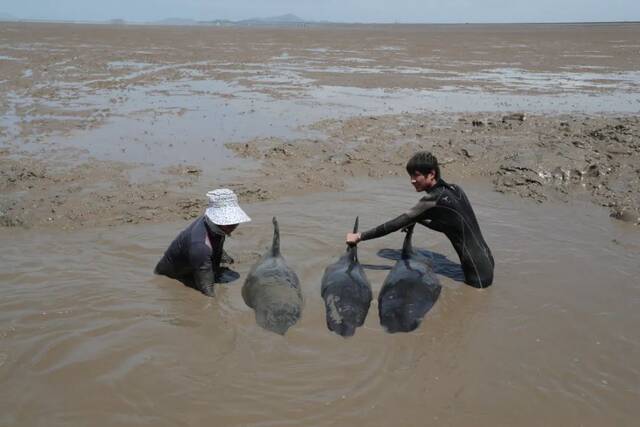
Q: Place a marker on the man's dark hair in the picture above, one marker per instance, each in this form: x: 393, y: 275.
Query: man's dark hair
x: 423, y: 162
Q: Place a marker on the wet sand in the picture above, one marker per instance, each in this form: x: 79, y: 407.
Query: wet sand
x: 109, y: 137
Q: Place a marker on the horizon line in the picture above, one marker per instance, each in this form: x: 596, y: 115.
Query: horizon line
x: 266, y: 22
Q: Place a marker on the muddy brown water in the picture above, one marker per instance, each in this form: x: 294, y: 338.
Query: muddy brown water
x: 88, y: 336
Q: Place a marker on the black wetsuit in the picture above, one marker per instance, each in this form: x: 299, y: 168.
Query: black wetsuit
x: 190, y: 260
x: 445, y: 208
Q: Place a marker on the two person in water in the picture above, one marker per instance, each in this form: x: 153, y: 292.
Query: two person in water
x: 196, y: 255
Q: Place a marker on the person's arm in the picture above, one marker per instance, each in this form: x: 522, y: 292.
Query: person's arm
x: 203, y: 275
x: 204, y: 279
x: 414, y: 215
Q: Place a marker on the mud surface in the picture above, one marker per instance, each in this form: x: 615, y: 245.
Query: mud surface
x: 104, y: 125
x: 535, y: 157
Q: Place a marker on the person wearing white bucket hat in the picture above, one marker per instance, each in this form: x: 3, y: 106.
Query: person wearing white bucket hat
x: 195, y: 255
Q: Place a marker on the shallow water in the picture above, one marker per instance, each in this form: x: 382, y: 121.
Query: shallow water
x: 89, y: 335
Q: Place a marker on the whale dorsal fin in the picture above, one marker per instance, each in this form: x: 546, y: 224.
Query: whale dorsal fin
x: 352, y: 250
x: 407, y: 249
x: 275, y: 246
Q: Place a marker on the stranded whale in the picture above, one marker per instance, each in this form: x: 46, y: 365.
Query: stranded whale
x: 408, y: 292
x: 272, y: 290
x: 346, y: 292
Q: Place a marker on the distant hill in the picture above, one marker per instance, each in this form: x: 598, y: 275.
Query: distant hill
x: 288, y: 19
x: 280, y: 20
x: 284, y: 18
x: 218, y: 22
x: 176, y: 21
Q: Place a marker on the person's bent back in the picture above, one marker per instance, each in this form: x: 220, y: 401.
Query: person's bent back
x: 195, y: 254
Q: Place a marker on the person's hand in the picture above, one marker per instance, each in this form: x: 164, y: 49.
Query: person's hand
x: 225, y: 275
x: 209, y: 290
x: 353, y: 238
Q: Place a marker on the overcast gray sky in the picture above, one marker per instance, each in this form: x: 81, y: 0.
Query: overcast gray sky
x: 333, y: 10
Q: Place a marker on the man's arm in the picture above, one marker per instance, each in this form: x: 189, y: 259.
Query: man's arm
x: 414, y: 215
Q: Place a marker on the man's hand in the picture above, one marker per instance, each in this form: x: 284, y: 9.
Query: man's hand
x: 353, y: 238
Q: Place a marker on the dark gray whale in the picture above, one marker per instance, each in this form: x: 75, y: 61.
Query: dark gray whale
x: 346, y: 293
x: 272, y: 290
x: 408, y: 292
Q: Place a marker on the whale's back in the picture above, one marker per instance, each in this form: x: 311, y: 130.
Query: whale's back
x: 346, y: 293
x: 408, y: 292
x: 272, y: 289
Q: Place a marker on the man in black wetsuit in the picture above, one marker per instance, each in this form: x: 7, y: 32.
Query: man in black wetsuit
x: 194, y: 256
x: 444, y: 208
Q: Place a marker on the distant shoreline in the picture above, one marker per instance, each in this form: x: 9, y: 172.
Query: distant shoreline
x: 257, y: 23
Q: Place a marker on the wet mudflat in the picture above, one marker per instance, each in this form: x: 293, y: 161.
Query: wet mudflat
x: 145, y: 118
x: 89, y: 334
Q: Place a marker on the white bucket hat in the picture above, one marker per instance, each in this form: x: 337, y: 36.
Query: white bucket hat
x: 224, y: 209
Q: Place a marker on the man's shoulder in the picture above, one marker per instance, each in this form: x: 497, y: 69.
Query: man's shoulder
x: 433, y: 194
x: 444, y: 194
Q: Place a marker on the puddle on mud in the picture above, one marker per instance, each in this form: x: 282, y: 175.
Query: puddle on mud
x: 8, y: 58
x: 515, y: 79
x: 189, y: 121
x: 554, y: 340
x: 237, y: 101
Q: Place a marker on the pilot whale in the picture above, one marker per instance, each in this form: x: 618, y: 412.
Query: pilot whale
x: 408, y: 292
x: 346, y: 292
x: 272, y: 290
